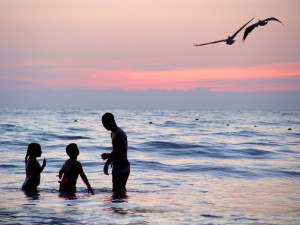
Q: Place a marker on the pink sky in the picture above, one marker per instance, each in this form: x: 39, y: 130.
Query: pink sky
x: 139, y: 45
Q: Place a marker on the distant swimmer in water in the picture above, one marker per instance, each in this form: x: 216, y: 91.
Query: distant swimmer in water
x: 118, y: 156
x: 70, y: 171
x: 33, y: 168
x: 229, y: 40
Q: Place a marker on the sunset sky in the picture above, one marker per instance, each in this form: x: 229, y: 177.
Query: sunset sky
x: 141, y: 45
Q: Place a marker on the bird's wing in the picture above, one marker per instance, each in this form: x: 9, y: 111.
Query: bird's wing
x: 248, y: 30
x: 233, y: 36
x: 213, y: 42
x: 274, y: 19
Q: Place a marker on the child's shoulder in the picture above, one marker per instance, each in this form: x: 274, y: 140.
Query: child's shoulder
x: 78, y: 163
x: 73, y: 162
x: 31, y: 160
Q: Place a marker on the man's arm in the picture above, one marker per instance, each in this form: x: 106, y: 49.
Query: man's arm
x: 109, y: 156
x: 106, y: 165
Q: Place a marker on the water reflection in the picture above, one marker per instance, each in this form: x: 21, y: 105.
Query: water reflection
x: 119, y: 197
x: 117, y: 203
x: 67, y: 196
x: 32, y: 195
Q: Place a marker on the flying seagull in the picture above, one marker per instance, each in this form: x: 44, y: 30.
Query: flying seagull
x: 259, y: 23
x: 230, y: 40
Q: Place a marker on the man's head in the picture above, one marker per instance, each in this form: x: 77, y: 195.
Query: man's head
x: 108, y: 121
x: 72, y: 150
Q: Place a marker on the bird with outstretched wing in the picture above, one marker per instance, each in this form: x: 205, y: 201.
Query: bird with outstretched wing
x: 230, y: 40
x: 264, y: 22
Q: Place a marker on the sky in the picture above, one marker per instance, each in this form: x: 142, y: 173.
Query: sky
x: 140, y: 45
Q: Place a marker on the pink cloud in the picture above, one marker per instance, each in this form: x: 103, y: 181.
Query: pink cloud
x: 61, y: 75
x: 261, y: 78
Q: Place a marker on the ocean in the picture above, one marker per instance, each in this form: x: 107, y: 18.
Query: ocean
x: 187, y: 167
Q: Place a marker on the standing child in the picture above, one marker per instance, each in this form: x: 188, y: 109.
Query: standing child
x: 33, y: 168
x: 70, y: 171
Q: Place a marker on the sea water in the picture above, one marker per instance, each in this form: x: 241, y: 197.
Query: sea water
x: 187, y: 167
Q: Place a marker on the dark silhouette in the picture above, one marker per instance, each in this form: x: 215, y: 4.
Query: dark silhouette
x: 35, y: 195
x: 33, y: 168
x: 230, y: 40
x: 259, y: 23
x: 118, y: 156
x: 70, y: 171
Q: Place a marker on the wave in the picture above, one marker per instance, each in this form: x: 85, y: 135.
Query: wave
x: 11, y: 128
x: 78, y: 129
x: 242, y: 133
x: 297, y: 135
x: 9, y: 166
x: 282, y: 173
x: 51, y: 136
x: 261, y: 143
x: 251, y: 153
x: 196, y: 150
x: 7, y: 125
x: 216, y: 170
x: 170, y: 145
x: 196, y: 168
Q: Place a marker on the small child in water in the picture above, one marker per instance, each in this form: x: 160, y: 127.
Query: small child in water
x: 33, y: 168
x: 70, y: 171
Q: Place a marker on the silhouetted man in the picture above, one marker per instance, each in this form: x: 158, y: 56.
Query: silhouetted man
x: 118, y: 155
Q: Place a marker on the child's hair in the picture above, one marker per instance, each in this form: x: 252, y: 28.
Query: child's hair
x: 34, y: 149
x: 72, y: 150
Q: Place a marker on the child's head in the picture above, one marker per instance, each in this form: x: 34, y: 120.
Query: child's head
x: 34, y: 150
x: 72, y: 150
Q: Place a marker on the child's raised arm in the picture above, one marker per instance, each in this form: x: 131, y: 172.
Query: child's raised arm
x: 44, y: 164
x: 26, y: 158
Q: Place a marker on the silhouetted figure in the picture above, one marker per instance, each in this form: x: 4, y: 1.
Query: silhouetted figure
x: 118, y: 156
x: 259, y: 23
x: 33, y: 168
x: 70, y: 171
x: 230, y: 40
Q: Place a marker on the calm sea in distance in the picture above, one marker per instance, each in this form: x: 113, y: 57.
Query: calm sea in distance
x: 187, y: 167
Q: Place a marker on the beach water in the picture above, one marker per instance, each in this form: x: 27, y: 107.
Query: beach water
x: 187, y: 167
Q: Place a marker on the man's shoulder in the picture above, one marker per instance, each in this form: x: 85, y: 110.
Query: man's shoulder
x: 120, y: 131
